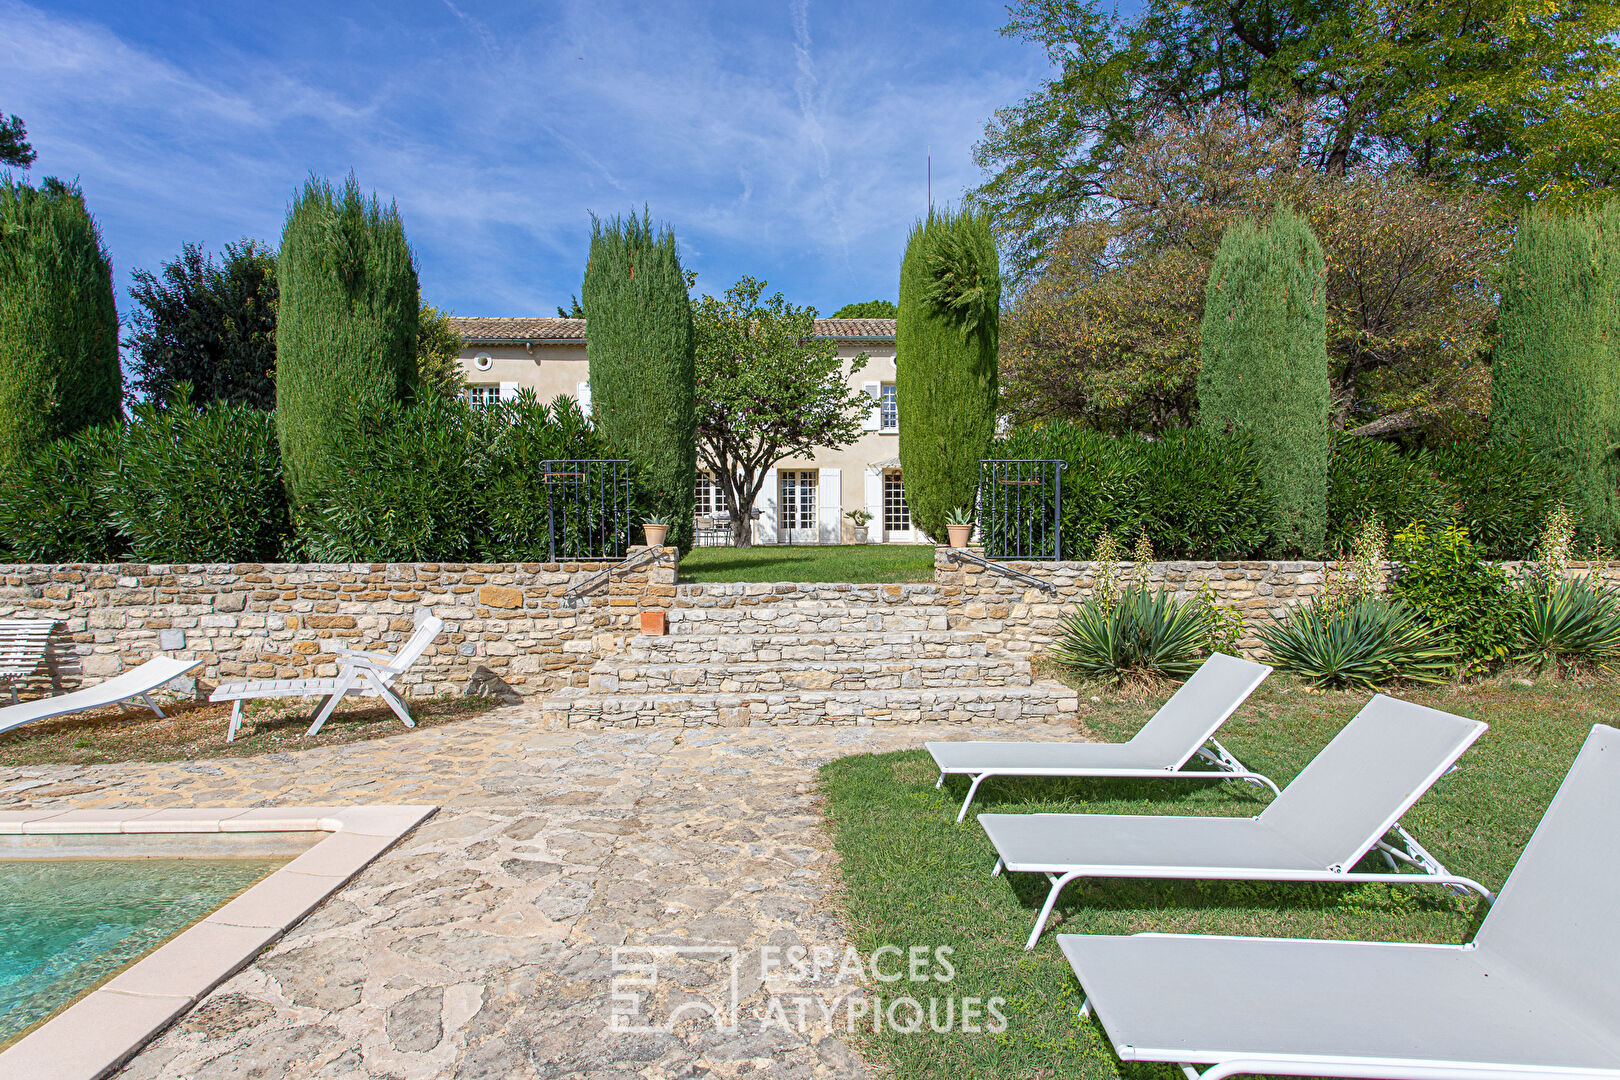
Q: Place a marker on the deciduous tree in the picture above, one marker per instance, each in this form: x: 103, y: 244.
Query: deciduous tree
x: 767, y: 389
x: 870, y: 309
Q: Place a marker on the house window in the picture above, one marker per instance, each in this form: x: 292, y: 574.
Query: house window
x: 711, y: 497
x: 797, y: 518
x: 483, y: 395
x: 896, y: 514
x: 889, y: 408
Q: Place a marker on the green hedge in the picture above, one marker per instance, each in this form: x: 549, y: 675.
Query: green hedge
x: 1194, y: 494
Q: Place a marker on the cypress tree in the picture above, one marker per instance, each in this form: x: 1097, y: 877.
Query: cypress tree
x: 1265, y: 366
x: 946, y: 334
x: 638, y: 340
x: 58, y: 322
x: 346, y: 325
x: 1554, y: 370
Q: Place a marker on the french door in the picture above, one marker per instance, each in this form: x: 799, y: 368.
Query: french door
x: 796, y: 516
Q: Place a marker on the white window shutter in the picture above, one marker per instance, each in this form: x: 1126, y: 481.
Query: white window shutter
x: 874, y: 416
x: 874, y: 502
x: 831, y: 499
x: 509, y: 390
x: 582, y: 394
x: 769, y: 493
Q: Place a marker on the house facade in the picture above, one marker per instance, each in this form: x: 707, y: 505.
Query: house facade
x: 803, y: 500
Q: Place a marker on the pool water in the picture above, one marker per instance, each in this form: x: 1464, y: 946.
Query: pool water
x: 67, y: 924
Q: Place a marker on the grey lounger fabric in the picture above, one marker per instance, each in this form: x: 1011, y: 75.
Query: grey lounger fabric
x: 1179, y: 730
x: 1533, y: 995
x: 136, y: 683
x: 1336, y: 811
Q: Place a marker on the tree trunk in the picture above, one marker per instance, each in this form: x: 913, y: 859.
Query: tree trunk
x: 742, y: 524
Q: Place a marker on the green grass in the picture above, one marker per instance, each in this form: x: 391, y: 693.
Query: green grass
x: 832, y: 562
x: 912, y: 877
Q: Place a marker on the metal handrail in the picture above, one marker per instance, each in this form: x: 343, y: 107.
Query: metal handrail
x: 576, y: 593
x: 958, y: 555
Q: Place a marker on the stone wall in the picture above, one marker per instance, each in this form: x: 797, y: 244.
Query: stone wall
x: 1022, y: 618
x: 511, y: 627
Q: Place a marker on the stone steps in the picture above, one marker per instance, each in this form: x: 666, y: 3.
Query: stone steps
x: 795, y: 647
x: 1039, y: 703
x: 810, y: 618
x: 772, y: 677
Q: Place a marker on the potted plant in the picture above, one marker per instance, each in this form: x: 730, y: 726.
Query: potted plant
x: 656, y: 529
x: 959, y: 526
x: 860, y: 518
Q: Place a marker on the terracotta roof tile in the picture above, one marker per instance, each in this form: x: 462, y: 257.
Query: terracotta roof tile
x: 497, y: 330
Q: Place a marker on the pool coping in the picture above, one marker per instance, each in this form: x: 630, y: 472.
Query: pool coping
x: 102, y: 1030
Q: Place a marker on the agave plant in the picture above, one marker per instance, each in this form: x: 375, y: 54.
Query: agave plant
x: 1570, y: 622
x: 1142, y: 634
x: 1363, y: 643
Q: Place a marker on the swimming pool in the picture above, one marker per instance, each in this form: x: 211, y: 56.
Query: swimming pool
x: 67, y: 924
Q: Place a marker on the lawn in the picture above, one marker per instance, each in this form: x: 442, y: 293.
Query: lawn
x: 196, y: 729
x: 912, y: 877
x: 832, y: 562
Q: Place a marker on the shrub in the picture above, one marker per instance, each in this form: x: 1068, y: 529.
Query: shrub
x: 199, y: 484
x: 511, y: 491
x: 346, y: 327
x: 639, y: 339
x: 401, y: 487
x: 52, y: 508
x: 1141, y: 635
x: 1555, y: 370
x: 1441, y: 574
x: 1568, y: 623
x: 1194, y: 494
x: 946, y: 335
x: 1503, y: 492
x: 1264, y: 370
x: 1372, y: 478
x: 1365, y: 642
x: 59, y: 368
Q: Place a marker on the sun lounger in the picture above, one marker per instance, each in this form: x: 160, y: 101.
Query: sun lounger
x: 363, y: 674
x: 1534, y: 995
x: 137, y: 683
x: 1337, y: 810
x: 22, y: 648
x: 1182, y: 728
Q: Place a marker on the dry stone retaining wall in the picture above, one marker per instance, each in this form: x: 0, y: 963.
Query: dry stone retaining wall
x: 508, y: 626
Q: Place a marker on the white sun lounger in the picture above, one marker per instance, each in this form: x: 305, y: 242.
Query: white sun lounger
x: 1532, y: 997
x: 364, y: 674
x: 136, y: 683
x: 1183, y: 727
x: 1338, y: 809
x: 22, y: 648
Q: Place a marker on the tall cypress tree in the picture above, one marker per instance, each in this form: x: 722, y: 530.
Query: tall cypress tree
x: 946, y: 334
x: 1555, y: 372
x: 638, y: 339
x: 346, y: 328
x: 1265, y: 366
x: 58, y: 321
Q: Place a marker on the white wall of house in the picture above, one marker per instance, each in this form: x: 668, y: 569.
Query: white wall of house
x: 844, y: 479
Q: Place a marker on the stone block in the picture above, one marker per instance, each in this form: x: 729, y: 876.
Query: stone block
x: 171, y: 641
x: 498, y: 596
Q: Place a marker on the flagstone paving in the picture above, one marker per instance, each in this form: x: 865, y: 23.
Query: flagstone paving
x: 484, y: 944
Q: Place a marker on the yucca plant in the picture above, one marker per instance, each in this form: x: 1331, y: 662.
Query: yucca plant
x: 1141, y: 635
x: 1568, y: 622
x: 1363, y: 643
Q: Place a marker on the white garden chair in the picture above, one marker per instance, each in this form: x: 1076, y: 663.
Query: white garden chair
x: 362, y: 674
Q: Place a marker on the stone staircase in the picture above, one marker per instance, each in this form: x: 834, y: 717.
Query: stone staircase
x: 806, y: 654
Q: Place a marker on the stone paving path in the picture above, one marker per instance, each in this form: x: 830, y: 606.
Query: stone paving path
x: 483, y: 945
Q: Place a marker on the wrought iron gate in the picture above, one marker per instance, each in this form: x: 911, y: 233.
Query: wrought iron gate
x: 588, y: 508
x: 1021, y: 509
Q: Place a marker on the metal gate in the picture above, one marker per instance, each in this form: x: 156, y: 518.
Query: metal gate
x: 589, y: 509
x: 1021, y: 509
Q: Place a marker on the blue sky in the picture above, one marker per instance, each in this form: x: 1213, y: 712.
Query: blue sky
x: 784, y: 140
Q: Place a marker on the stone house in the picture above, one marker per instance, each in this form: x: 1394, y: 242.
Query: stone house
x: 803, y: 501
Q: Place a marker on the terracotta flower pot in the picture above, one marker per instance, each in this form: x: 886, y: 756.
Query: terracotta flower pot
x: 655, y: 534
x: 959, y: 535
